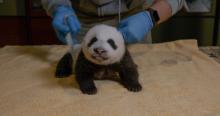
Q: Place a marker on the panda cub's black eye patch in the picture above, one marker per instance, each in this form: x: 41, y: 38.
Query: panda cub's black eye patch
x: 93, y: 40
x: 112, y: 43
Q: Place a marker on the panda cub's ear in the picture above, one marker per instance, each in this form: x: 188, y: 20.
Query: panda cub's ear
x: 93, y: 40
x: 112, y: 44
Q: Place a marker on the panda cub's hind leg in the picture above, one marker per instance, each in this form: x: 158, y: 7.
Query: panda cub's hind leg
x: 64, y: 66
x: 87, y: 85
x: 85, y: 75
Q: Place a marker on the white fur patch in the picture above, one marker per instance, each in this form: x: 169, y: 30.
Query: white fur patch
x: 103, y: 33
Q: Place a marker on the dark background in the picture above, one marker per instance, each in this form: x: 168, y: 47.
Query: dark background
x: 24, y: 22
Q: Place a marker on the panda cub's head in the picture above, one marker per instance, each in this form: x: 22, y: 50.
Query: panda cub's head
x: 103, y: 45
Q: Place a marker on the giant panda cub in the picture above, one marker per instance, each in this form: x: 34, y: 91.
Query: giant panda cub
x: 102, y: 49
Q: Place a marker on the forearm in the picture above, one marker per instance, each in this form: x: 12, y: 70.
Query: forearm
x: 50, y: 5
x: 166, y: 8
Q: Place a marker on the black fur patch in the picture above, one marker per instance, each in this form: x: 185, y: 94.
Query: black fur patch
x: 93, y: 40
x: 64, y: 66
x: 86, y: 71
x: 112, y: 43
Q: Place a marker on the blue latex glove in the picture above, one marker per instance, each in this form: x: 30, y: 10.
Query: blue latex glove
x: 65, y: 21
x: 135, y: 27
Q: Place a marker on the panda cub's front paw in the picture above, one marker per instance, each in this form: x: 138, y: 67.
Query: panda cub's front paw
x: 64, y: 66
x: 134, y: 87
x: 90, y: 90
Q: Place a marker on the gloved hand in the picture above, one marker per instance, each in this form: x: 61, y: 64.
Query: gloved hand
x: 135, y: 27
x: 64, y: 21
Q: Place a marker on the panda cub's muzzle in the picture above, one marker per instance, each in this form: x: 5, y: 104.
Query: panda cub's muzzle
x: 99, y: 54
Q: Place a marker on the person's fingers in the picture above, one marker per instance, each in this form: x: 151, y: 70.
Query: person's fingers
x: 124, y: 34
x: 73, y: 24
x: 122, y: 25
x: 60, y: 26
x: 128, y: 36
x: 78, y: 25
x: 74, y: 40
x: 75, y: 27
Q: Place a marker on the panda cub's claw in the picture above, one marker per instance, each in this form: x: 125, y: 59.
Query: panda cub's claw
x: 134, y: 87
x: 90, y: 90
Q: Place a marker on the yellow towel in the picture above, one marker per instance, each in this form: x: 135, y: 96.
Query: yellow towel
x: 177, y: 80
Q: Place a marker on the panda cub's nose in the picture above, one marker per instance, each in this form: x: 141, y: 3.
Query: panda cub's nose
x: 99, y: 50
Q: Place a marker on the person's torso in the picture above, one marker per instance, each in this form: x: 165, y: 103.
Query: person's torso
x: 106, y: 7
x: 88, y: 10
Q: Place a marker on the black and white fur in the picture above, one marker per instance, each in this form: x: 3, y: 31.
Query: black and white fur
x: 102, y: 49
